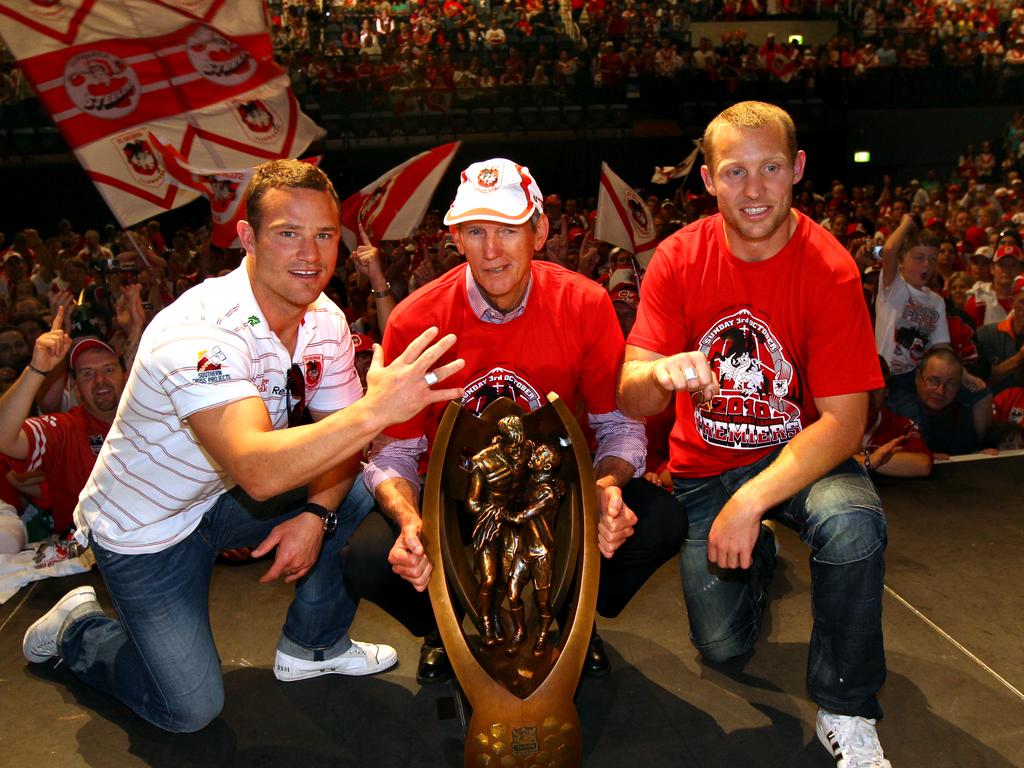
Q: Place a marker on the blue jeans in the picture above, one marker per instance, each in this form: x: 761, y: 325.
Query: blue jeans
x: 159, y: 657
x: 840, y: 518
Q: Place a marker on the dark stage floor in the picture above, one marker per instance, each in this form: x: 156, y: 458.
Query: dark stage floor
x: 954, y: 622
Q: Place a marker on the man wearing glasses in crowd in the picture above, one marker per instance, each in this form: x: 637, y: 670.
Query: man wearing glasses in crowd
x: 198, y: 458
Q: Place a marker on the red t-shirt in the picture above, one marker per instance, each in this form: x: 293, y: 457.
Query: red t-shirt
x: 961, y: 337
x: 778, y: 333
x: 567, y: 341
x: 64, y: 446
x: 1008, y: 406
x: 890, y: 426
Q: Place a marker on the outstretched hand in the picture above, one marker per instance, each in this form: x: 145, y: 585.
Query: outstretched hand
x: 399, y: 391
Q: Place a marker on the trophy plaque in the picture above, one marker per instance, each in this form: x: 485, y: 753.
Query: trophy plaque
x: 510, y: 522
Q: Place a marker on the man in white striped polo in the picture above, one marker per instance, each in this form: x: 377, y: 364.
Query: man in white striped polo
x: 198, y: 458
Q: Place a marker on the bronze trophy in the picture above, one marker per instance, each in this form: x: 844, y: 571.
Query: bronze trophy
x: 510, y: 522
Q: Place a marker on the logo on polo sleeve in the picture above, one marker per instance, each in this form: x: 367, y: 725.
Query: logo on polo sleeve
x: 208, y: 366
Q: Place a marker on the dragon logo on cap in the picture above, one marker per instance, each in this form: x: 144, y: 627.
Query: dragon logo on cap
x: 487, y: 178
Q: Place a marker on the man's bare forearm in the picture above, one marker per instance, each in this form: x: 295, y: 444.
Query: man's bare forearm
x: 812, y: 454
x: 398, y: 499
x: 639, y: 394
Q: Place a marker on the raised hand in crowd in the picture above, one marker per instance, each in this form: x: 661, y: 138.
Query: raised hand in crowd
x: 53, y: 346
x: 367, y: 261
x: 131, y: 319
x: 427, y: 270
x: 589, y: 256
x: 557, y: 245
x: 64, y: 302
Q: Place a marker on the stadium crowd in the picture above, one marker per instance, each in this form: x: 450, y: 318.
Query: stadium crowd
x: 436, y: 55
x: 579, y: 51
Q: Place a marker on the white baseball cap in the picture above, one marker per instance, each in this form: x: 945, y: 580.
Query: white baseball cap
x: 496, y: 190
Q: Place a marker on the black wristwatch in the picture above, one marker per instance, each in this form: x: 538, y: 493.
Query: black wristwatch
x: 329, y: 516
x: 381, y: 294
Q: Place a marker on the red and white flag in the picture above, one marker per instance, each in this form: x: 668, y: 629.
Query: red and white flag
x: 199, y: 73
x: 663, y: 174
x: 778, y: 62
x: 225, y: 189
x: 623, y: 218
x: 393, y: 206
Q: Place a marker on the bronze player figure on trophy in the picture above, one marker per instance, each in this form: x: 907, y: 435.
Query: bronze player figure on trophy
x: 495, y: 480
x: 533, y: 547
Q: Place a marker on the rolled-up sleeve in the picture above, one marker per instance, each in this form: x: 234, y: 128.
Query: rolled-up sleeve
x: 391, y: 458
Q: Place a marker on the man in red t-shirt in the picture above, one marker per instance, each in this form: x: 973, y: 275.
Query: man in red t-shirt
x: 755, y: 318
x: 525, y: 328
x: 63, y: 445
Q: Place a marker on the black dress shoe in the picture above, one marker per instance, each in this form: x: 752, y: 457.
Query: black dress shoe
x: 434, y: 666
x: 596, y: 663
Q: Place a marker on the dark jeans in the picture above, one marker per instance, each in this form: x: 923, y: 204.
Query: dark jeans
x: 159, y: 657
x: 659, y: 536
x: 840, y: 518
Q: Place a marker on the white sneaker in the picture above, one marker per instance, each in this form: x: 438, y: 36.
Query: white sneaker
x: 852, y: 741
x: 40, y: 641
x: 360, y: 659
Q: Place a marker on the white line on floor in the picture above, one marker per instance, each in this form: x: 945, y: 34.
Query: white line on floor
x: 18, y: 606
x: 959, y: 646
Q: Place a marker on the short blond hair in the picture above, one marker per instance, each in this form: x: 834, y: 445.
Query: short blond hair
x: 750, y: 114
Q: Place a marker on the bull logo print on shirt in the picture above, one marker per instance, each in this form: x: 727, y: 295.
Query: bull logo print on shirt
x: 751, y: 410
x: 487, y: 387
x: 101, y: 84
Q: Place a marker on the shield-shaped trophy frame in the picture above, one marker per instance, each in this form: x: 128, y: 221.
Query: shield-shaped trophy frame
x: 523, y: 711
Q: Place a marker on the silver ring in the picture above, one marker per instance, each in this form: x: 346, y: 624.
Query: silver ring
x: 690, y: 374
x: 431, y: 379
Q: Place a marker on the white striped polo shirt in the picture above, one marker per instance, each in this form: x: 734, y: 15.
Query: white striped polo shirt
x: 153, y: 481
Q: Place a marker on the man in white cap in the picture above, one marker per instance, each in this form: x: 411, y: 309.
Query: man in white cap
x: 525, y: 328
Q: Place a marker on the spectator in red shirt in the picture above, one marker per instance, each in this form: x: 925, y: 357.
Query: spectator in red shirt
x: 892, y: 444
x: 63, y: 445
